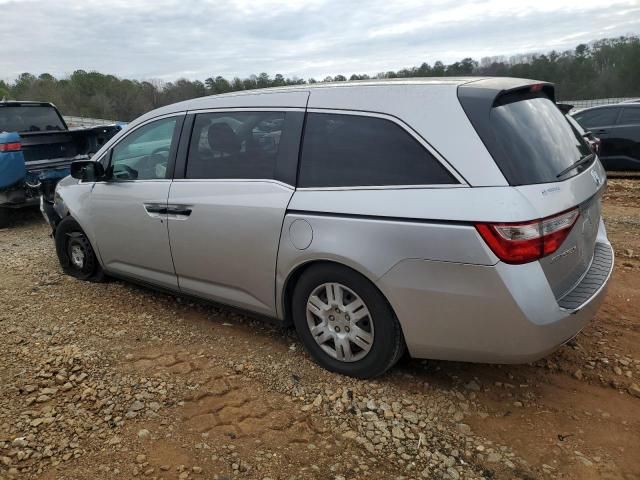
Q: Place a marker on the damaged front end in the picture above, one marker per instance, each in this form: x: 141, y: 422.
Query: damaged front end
x: 52, y: 205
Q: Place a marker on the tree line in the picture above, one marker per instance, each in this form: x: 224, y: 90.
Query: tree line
x: 605, y: 68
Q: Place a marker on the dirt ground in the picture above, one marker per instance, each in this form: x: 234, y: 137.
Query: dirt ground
x: 115, y: 381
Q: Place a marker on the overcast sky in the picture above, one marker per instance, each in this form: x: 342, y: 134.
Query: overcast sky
x: 168, y: 39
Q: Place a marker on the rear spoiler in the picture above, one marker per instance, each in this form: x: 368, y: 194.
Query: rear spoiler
x: 498, y: 87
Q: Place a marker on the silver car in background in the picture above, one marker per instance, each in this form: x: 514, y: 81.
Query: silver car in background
x: 458, y: 219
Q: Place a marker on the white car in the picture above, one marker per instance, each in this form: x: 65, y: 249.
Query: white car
x: 458, y: 219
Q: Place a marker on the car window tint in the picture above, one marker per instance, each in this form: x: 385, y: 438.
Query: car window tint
x: 352, y: 150
x: 532, y: 141
x: 144, y: 153
x: 597, y: 118
x: 630, y: 116
x: 238, y: 145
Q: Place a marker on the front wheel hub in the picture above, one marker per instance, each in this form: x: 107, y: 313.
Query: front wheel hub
x: 77, y: 256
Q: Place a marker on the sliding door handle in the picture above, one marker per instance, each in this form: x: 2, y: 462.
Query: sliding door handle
x: 183, y: 212
x: 159, y: 210
x: 179, y: 210
x: 154, y: 209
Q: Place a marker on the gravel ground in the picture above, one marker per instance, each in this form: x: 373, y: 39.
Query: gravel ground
x: 116, y: 381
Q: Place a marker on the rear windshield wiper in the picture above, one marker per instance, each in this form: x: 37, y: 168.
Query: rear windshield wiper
x: 575, y: 165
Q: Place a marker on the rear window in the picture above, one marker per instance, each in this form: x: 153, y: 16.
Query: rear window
x: 533, y: 142
x: 29, y: 119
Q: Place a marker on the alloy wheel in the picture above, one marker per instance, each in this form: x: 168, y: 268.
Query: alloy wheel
x: 340, y: 322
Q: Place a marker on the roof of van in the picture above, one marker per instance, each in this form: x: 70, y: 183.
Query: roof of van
x: 274, y: 96
x: 495, y: 81
x: 358, y: 83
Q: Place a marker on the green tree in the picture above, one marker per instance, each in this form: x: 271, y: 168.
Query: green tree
x: 4, y: 90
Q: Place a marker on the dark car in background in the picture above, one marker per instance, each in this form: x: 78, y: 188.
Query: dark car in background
x: 594, y: 142
x: 618, y: 128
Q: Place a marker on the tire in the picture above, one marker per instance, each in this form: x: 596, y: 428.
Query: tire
x: 378, y: 338
x: 75, y: 252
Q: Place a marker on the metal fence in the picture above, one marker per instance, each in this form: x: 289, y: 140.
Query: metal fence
x: 77, y: 122
x: 579, y: 104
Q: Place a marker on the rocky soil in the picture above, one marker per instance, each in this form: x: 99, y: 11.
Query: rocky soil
x: 116, y: 381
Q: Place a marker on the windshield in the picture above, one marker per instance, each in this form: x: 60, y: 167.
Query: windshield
x: 29, y: 119
x: 534, y: 142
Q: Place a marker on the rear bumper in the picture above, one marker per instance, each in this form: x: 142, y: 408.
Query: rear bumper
x: 493, y: 314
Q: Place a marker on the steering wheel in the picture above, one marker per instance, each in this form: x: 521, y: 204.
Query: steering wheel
x: 159, y: 150
x: 133, y: 174
x: 147, y: 165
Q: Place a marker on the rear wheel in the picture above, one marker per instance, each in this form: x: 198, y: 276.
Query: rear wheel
x: 75, y: 252
x: 345, y: 323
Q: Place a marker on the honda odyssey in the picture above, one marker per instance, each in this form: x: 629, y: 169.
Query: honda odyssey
x: 459, y: 219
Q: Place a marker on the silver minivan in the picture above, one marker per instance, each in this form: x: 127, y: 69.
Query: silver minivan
x: 456, y: 218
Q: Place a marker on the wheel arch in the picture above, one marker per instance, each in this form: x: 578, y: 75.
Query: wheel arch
x: 92, y: 241
x: 295, y: 274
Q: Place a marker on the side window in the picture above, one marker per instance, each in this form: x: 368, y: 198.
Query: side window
x: 597, y: 118
x: 351, y: 150
x: 144, y: 153
x: 630, y: 116
x: 235, y: 145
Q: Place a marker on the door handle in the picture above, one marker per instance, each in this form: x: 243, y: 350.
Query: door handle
x: 155, y: 210
x: 600, y: 130
x: 179, y: 210
x: 184, y: 212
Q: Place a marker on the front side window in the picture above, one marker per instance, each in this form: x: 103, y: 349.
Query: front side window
x: 353, y: 150
x: 144, y: 153
x: 630, y: 116
x: 599, y: 117
x: 235, y: 145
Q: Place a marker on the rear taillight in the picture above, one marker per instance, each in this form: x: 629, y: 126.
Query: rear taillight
x: 10, y: 147
x: 527, y: 241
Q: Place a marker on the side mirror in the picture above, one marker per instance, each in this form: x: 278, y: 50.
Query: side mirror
x: 87, y: 170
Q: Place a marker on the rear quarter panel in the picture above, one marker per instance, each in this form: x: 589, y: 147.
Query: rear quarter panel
x: 373, y: 245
